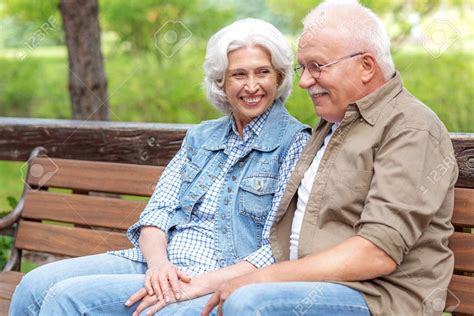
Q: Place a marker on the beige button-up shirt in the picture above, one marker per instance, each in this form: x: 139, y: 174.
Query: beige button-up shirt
x: 387, y: 175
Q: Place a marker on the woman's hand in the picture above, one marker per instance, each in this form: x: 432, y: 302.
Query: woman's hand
x: 162, y: 279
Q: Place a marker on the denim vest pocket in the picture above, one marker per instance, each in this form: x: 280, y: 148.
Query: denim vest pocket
x: 256, y: 197
x: 188, y: 174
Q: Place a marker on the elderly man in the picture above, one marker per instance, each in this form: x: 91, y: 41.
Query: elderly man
x: 364, y: 222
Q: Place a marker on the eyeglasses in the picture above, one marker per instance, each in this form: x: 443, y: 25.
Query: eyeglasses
x: 315, y: 69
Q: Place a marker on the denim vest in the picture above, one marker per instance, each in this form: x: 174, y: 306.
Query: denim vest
x: 249, y: 186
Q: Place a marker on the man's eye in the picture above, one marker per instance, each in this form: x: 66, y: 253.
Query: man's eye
x: 238, y: 75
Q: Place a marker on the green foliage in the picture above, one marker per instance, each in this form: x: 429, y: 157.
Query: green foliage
x: 5, y: 247
x: 12, y: 201
x: 136, y: 22
x: 143, y: 88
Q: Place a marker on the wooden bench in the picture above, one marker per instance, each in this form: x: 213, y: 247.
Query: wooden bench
x: 74, y: 223
x: 79, y: 222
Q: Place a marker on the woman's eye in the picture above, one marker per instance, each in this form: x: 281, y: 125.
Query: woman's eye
x: 238, y: 75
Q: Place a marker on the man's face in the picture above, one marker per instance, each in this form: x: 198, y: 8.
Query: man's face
x: 338, y: 85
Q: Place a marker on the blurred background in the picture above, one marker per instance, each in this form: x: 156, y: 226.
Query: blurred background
x: 153, y: 51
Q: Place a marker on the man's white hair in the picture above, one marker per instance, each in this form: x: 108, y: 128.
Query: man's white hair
x: 244, y: 33
x: 358, y: 27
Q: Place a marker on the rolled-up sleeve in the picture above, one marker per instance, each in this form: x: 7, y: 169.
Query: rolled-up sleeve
x: 164, y: 201
x: 264, y: 256
x: 413, y: 171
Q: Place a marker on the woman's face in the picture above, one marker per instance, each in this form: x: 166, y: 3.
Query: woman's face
x: 251, y: 84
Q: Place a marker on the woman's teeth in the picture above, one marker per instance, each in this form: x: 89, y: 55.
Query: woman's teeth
x: 252, y: 100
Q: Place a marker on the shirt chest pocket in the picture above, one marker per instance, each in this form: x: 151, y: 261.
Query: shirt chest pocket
x: 256, y: 196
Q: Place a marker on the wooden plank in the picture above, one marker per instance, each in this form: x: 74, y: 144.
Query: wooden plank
x: 82, y: 209
x: 8, y: 282
x: 461, y: 295
x: 68, y: 241
x: 462, y: 244
x: 4, y: 306
x: 137, y: 143
x: 94, y: 176
x: 463, y: 207
x: 464, y: 151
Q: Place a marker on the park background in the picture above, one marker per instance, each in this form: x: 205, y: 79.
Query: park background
x: 432, y: 46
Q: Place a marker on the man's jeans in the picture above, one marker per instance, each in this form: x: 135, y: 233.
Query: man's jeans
x: 92, y: 285
x: 296, y: 298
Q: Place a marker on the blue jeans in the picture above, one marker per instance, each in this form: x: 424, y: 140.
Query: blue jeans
x: 296, y: 298
x: 92, y: 285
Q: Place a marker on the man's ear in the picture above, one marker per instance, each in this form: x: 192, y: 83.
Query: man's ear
x: 369, y: 67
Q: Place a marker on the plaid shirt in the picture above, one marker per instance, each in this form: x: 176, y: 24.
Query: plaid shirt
x: 191, y: 245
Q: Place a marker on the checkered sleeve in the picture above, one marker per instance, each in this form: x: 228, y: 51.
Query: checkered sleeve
x: 263, y: 256
x: 164, y: 201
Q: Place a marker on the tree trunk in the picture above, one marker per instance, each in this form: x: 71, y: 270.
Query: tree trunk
x: 87, y: 81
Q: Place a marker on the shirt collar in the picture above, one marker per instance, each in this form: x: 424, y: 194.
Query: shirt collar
x: 253, y: 128
x: 269, y: 129
x: 371, y: 105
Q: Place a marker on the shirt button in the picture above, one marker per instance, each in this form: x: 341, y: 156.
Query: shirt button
x: 361, y: 120
x: 241, y: 164
x: 229, y: 190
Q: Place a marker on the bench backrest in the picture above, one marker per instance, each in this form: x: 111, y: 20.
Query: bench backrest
x: 76, y: 223
x: 460, y: 296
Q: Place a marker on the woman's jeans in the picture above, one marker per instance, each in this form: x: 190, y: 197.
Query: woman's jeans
x: 296, y: 298
x: 92, y: 285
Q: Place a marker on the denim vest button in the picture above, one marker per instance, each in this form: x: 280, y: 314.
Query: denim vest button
x: 224, y: 230
x: 241, y: 164
x: 226, y: 202
x: 234, y: 178
x: 229, y: 189
x: 223, y: 216
x: 258, y: 186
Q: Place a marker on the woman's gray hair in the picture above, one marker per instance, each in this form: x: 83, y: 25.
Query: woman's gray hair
x: 244, y: 33
x: 360, y: 27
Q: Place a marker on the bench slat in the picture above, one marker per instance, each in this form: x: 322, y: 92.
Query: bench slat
x: 463, y: 207
x: 85, y: 175
x: 82, y: 209
x: 462, y: 244
x: 8, y: 282
x: 4, y: 306
x: 68, y: 241
x: 463, y: 289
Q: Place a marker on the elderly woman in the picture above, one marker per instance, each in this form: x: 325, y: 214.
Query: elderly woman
x: 210, y: 215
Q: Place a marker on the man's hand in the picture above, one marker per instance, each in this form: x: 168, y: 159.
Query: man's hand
x: 162, y: 279
x: 224, y: 291
x: 190, y: 290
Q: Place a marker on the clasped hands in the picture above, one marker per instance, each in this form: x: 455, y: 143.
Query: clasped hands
x: 164, y: 283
